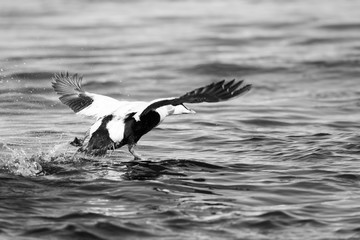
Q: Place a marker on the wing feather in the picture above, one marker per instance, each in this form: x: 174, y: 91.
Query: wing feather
x: 214, y: 92
x: 69, y: 87
x: 97, y: 106
x: 82, y: 102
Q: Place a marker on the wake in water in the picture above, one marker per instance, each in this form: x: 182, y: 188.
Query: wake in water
x: 60, y: 160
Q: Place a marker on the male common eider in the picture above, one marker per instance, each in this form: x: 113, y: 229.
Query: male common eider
x: 123, y: 122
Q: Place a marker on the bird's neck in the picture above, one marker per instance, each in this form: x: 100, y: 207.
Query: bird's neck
x: 165, y: 111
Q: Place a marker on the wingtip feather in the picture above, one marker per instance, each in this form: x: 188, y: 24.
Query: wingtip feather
x: 215, y: 92
x: 65, y: 83
x: 69, y: 87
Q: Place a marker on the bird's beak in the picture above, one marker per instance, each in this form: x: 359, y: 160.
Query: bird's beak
x: 186, y: 110
x: 191, y: 111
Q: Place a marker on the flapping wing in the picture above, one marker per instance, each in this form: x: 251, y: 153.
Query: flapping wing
x: 81, y: 102
x: 214, y: 92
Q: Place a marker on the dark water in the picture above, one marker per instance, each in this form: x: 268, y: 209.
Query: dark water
x: 281, y: 162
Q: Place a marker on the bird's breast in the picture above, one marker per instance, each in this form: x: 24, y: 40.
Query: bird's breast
x: 116, y: 128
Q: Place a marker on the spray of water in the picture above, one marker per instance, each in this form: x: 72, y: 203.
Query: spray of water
x: 20, y: 162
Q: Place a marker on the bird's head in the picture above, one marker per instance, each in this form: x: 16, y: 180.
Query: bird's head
x: 169, y: 110
x: 181, y: 109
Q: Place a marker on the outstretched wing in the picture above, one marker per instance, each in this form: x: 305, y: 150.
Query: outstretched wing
x: 81, y: 102
x: 214, y: 92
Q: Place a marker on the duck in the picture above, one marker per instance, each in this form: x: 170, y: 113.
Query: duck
x: 121, y: 122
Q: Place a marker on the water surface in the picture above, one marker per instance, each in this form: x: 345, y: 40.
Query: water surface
x: 281, y: 162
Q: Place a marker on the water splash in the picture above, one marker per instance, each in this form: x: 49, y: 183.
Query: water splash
x: 20, y: 162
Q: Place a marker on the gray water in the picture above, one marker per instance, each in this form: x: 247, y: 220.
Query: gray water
x: 281, y: 162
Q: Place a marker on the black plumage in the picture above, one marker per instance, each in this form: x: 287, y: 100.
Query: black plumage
x: 100, y: 140
x: 69, y: 87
